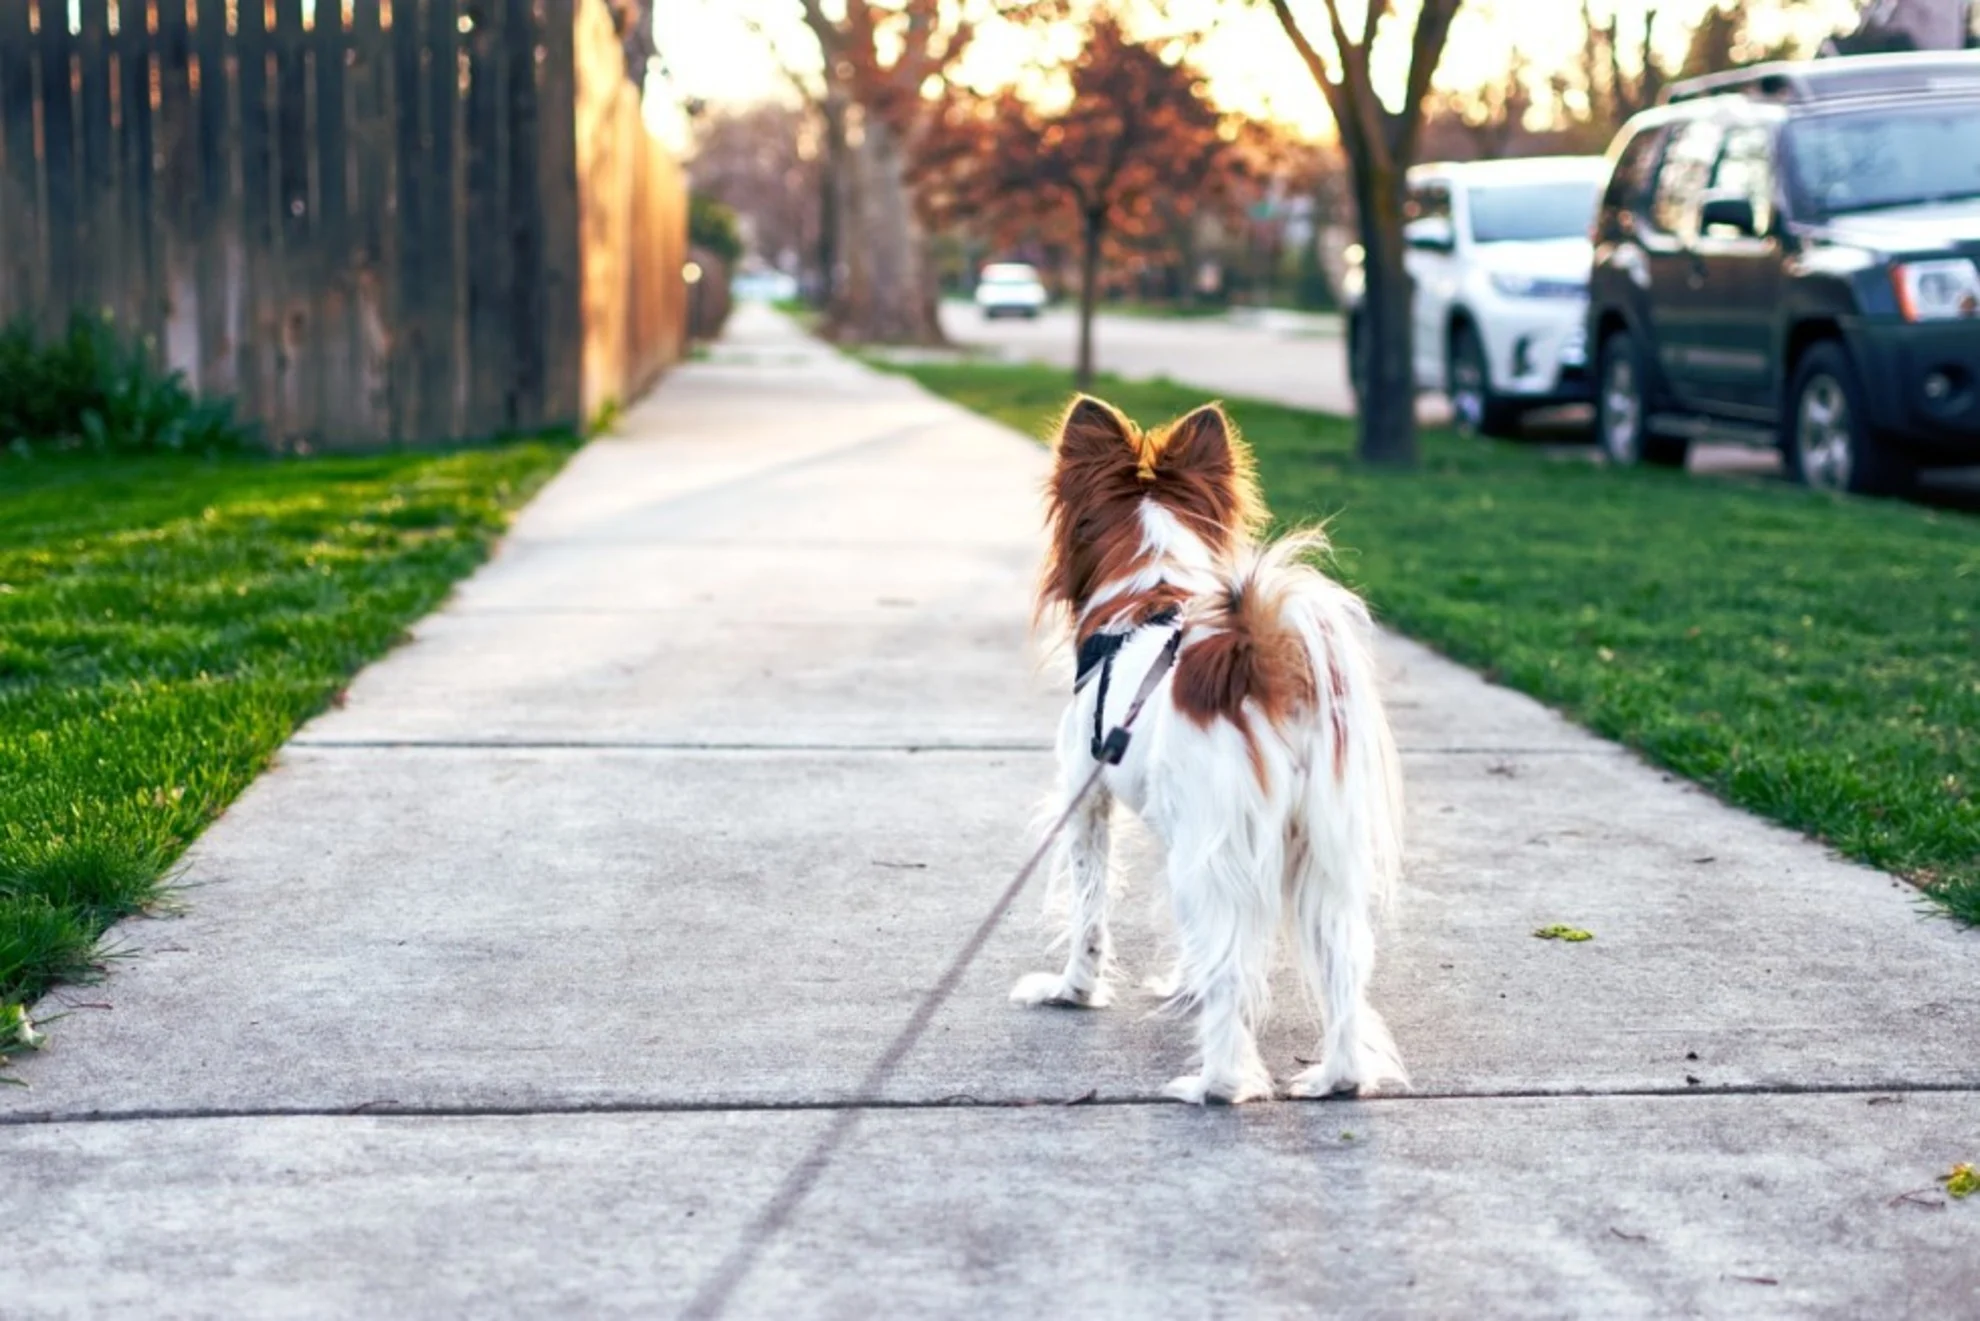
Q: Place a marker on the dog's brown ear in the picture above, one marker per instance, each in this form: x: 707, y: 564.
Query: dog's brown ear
x: 1206, y: 469
x: 1094, y: 428
x: 1200, y: 442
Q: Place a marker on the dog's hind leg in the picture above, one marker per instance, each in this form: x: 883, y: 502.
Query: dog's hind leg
x: 1337, y: 956
x: 1084, y: 858
x: 1225, y: 925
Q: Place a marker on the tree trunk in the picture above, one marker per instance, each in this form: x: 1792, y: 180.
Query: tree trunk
x: 1386, y: 427
x: 1094, y: 230
x: 851, y: 281
x: 887, y: 296
x: 832, y: 203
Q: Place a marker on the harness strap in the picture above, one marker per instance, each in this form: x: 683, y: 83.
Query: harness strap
x: 1109, y: 747
x: 1096, y: 651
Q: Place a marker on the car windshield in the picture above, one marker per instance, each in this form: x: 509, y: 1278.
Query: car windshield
x: 1532, y: 212
x: 1009, y: 275
x: 1887, y: 158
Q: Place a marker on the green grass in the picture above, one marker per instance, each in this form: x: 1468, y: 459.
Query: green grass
x: 1813, y: 659
x: 165, y: 622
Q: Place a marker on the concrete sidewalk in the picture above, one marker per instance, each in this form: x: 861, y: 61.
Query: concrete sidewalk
x: 609, y: 953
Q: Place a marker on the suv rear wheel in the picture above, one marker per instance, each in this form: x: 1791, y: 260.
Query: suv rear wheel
x: 1827, y: 443
x: 1474, y: 408
x: 1622, y: 412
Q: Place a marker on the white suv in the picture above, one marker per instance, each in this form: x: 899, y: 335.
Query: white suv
x: 1499, y: 255
x: 1010, y: 287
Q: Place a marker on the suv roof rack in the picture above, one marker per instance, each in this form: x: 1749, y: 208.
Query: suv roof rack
x: 1836, y: 78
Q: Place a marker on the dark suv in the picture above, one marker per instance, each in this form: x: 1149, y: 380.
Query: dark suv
x: 1790, y: 254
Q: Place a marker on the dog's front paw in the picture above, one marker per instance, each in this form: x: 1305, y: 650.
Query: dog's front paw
x: 1051, y: 988
x: 1196, y: 1089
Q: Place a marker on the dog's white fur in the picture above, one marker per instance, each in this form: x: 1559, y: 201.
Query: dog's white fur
x: 1248, y: 855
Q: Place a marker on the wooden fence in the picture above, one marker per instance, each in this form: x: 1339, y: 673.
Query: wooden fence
x: 366, y: 221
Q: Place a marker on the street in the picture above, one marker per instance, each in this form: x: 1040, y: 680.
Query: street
x: 1301, y: 360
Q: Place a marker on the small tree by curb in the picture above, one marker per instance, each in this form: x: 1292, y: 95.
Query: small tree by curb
x: 1137, y: 142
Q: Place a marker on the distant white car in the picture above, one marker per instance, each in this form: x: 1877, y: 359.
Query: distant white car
x: 1499, y: 256
x: 763, y: 286
x: 1009, y: 288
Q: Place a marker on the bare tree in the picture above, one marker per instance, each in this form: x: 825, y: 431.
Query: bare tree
x: 1381, y: 145
x: 765, y: 162
x: 884, y: 64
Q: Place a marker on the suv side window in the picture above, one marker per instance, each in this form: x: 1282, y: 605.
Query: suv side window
x: 1636, y: 168
x: 1746, y: 166
x: 1681, y: 183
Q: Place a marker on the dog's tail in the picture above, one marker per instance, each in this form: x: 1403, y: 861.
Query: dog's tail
x: 1344, y: 821
x: 1296, y: 645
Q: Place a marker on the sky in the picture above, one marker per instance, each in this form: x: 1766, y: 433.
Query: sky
x: 713, y: 54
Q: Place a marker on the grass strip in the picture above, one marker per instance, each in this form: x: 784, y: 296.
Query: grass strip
x: 166, y: 622
x: 1811, y: 658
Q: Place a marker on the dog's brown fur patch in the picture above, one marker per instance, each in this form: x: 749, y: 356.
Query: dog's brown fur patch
x: 1245, y: 653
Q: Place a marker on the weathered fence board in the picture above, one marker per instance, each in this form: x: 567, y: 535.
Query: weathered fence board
x: 214, y: 365
x: 21, y: 264
x: 172, y: 312
x: 366, y: 221
x: 254, y: 337
x: 58, y: 156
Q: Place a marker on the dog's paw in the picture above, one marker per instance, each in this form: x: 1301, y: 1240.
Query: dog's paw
x: 1326, y: 1082
x: 1341, y: 1075
x: 1163, y: 984
x: 1051, y: 988
x: 1195, y: 1089
x: 1322, y: 1082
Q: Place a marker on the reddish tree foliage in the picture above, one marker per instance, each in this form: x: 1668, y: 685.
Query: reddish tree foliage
x: 1136, y: 147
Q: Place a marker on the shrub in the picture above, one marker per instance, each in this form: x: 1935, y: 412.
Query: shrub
x: 89, y: 388
x: 713, y: 226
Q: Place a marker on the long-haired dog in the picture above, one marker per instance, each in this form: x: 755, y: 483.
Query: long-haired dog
x: 1262, y: 761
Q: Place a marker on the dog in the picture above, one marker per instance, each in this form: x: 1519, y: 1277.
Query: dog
x: 1262, y: 760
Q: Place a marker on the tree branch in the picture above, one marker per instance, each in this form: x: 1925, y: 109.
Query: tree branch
x: 1336, y: 94
x: 796, y: 79
x: 1371, y: 21
x: 1433, y: 29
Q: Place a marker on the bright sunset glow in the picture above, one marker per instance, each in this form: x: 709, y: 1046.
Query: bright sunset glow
x: 714, y: 54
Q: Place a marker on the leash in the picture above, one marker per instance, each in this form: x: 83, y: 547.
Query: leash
x: 1106, y: 752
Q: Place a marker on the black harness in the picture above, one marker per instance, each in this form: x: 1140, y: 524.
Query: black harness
x: 1097, y: 654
